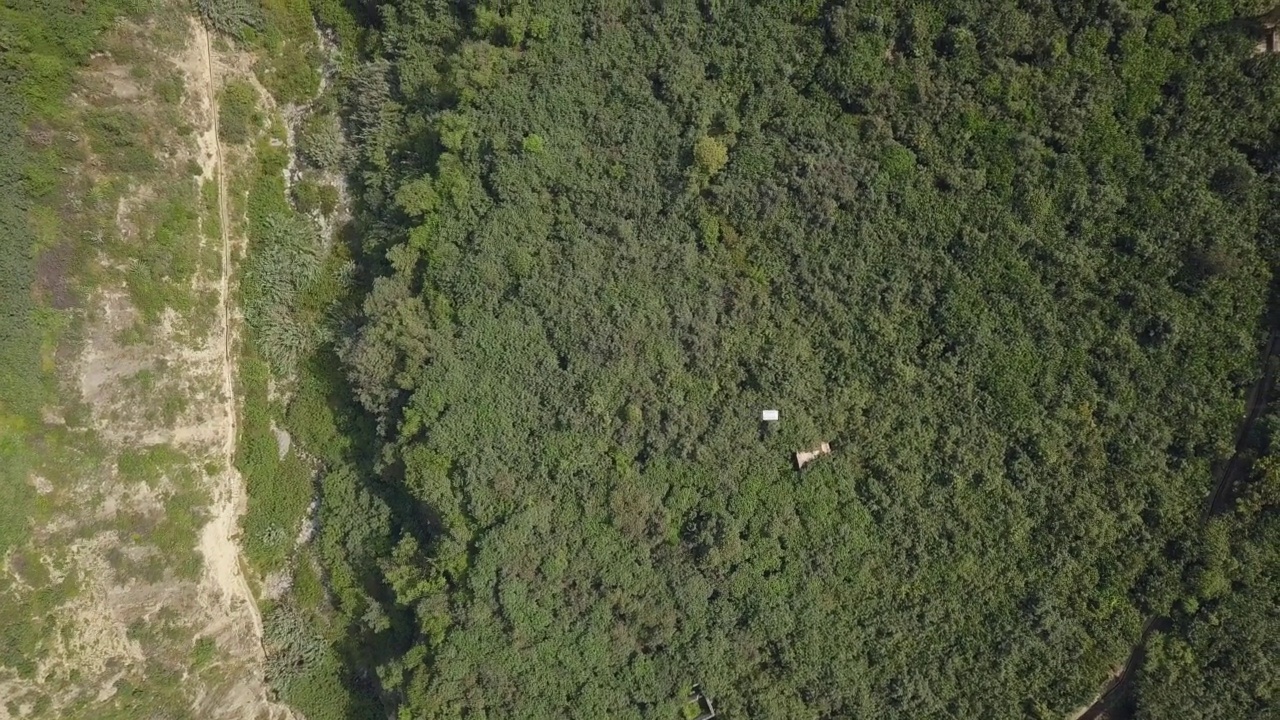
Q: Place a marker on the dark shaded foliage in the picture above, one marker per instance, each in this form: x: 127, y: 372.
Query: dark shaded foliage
x: 230, y: 17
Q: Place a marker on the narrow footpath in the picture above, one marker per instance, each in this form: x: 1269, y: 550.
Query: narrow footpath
x: 219, y: 541
x: 1219, y: 500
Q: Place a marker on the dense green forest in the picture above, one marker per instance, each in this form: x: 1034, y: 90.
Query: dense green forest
x: 1010, y: 259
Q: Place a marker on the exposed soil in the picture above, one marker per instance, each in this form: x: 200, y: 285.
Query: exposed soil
x: 218, y: 539
x: 217, y: 542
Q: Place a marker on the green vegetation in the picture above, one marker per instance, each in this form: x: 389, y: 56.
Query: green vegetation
x: 121, y: 138
x: 291, y: 281
x: 238, y: 117
x: 19, y: 345
x: 315, y: 197
x: 281, y: 33
x: 40, y: 45
x: 173, y: 529
x: 210, y: 221
x: 1010, y: 260
x: 231, y: 17
x: 290, y: 71
x: 279, y: 488
x: 320, y: 142
x: 710, y: 154
x: 1220, y: 655
x: 165, y: 254
x: 47, y: 221
x: 99, y: 215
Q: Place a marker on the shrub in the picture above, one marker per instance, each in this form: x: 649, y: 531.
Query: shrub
x: 534, y: 144
x: 120, y: 138
x: 335, y: 15
x: 315, y: 197
x: 320, y: 143
x: 238, y: 116
x: 230, y: 17
x: 170, y: 88
x: 292, y: 646
x: 289, y: 71
x: 284, y: 260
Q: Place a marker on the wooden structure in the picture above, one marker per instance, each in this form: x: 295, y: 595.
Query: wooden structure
x: 804, y: 457
x: 698, y: 705
x: 1268, y: 32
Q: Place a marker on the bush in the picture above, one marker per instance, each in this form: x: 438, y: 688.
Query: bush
x: 283, y: 261
x: 120, y: 138
x: 335, y: 15
x: 238, y: 116
x: 230, y: 17
x: 320, y: 143
x: 19, y: 338
x: 171, y: 88
x: 289, y: 71
x: 315, y: 197
x: 292, y: 647
x: 534, y: 144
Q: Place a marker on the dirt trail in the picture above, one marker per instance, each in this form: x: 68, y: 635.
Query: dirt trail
x: 1254, y: 405
x: 1218, y: 501
x: 217, y: 541
x: 1119, y: 684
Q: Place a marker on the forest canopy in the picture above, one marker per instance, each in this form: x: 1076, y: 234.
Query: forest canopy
x: 1010, y: 259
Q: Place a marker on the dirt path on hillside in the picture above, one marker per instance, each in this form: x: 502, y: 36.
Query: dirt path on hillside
x: 218, y: 539
x: 1254, y: 405
x: 1120, y: 682
x: 1218, y: 501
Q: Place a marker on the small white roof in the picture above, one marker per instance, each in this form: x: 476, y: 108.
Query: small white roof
x: 769, y: 416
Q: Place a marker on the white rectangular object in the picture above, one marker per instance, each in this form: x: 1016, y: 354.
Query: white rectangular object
x: 769, y: 416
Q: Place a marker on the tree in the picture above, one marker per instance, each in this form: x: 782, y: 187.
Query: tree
x: 710, y: 154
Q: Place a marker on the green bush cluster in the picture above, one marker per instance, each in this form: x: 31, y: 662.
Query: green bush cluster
x: 1218, y: 654
x: 710, y: 154
x: 292, y: 644
x: 41, y: 45
x: 239, y: 119
x: 289, y: 57
x: 288, y: 282
x: 164, y: 259
x: 314, y: 196
x: 283, y: 262
x: 279, y: 489
x: 19, y: 341
x: 230, y: 17
x: 320, y: 142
